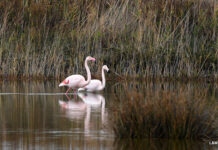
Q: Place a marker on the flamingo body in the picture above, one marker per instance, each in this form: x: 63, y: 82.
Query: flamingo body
x: 78, y: 81
x: 96, y: 85
x: 74, y: 81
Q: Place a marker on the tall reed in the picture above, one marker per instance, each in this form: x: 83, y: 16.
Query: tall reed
x: 157, y: 38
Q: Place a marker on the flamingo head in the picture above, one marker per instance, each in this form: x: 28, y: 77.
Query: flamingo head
x: 90, y: 58
x: 106, y: 68
x: 64, y: 83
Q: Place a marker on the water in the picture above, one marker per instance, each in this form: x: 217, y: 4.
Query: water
x: 38, y: 115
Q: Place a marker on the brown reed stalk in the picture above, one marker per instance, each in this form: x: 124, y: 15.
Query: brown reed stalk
x: 134, y: 38
x: 165, y: 115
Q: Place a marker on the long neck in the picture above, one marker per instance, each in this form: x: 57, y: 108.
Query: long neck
x: 103, y: 78
x: 88, y: 73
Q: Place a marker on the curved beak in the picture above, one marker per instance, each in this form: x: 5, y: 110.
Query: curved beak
x: 93, y: 59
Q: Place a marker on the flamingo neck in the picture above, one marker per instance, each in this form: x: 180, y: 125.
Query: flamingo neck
x: 88, y: 73
x: 103, y: 79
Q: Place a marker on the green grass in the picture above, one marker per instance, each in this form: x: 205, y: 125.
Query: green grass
x: 134, y: 38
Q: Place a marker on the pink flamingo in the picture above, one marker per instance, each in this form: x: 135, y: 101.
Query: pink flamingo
x: 78, y: 81
x: 96, y: 85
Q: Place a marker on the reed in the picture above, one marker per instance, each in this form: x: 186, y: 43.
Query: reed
x: 163, y: 144
x: 44, y: 38
x: 174, y: 115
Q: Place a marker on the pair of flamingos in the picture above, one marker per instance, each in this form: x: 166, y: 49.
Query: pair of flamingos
x: 78, y: 81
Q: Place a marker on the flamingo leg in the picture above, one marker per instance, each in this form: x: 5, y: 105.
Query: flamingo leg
x: 68, y: 97
x: 67, y: 91
x: 74, y: 94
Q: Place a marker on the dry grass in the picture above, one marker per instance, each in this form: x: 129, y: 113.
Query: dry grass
x: 137, y: 38
x: 166, y: 115
x: 163, y: 144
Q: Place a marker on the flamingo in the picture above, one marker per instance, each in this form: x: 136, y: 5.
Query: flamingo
x: 78, y: 81
x: 96, y: 85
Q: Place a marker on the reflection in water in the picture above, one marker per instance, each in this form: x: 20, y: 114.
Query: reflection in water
x: 74, y: 110
x: 47, y: 120
x: 77, y: 110
x: 95, y: 101
x: 36, y: 121
x: 81, y: 109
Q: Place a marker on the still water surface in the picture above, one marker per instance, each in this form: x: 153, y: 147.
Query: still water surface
x: 38, y: 115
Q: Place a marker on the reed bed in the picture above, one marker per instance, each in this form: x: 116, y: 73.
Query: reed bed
x: 156, y: 38
x: 173, y: 115
x: 163, y: 144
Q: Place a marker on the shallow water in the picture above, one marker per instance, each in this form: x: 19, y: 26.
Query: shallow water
x: 38, y: 115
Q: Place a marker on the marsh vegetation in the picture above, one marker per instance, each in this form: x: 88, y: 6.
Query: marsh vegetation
x: 153, y: 38
x: 179, y: 114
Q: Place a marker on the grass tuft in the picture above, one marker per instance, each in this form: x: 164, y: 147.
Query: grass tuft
x: 166, y: 115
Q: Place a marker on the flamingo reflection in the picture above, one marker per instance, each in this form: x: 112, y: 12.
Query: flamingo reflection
x: 94, y: 101
x: 80, y: 109
x: 77, y: 110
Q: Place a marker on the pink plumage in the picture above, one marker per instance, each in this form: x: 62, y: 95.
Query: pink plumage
x: 96, y: 85
x: 78, y: 81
